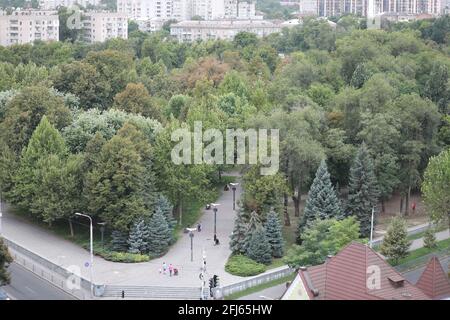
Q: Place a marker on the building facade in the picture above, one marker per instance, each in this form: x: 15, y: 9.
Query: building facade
x: 55, y: 4
x: 188, y: 31
x: 101, y: 26
x: 27, y: 26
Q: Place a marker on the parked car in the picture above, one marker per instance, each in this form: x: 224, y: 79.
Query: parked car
x: 3, y: 295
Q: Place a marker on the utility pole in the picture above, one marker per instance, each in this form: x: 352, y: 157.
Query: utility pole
x: 203, y: 276
x: 371, y: 226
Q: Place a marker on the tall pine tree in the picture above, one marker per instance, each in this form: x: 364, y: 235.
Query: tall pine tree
x: 363, y: 190
x: 119, y: 241
x: 274, y: 234
x: 395, y: 243
x: 259, y: 247
x: 237, y: 238
x: 138, y: 238
x: 159, y: 234
x: 167, y: 209
x: 322, y: 202
x: 253, y: 224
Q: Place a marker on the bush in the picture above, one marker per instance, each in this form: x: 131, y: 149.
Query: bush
x: 240, y: 265
x: 115, y: 256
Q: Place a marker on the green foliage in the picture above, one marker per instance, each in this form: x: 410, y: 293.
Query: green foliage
x: 363, y: 190
x: 322, y: 238
x: 238, y: 237
x: 243, y: 266
x: 5, y: 260
x: 395, y: 243
x: 259, y: 248
x: 429, y: 239
x: 138, y: 237
x: 436, y: 187
x: 322, y: 202
x: 274, y: 234
x: 119, y: 241
x: 159, y: 234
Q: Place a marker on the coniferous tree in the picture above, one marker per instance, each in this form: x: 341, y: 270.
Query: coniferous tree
x: 363, y: 190
x: 274, y: 234
x: 322, y: 202
x: 159, y: 234
x: 253, y: 224
x: 395, y: 244
x: 259, y: 247
x: 429, y: 239
x: 119, y: 241
x: 237, y: 238
x: 167, y: 209
x: 138, y: 238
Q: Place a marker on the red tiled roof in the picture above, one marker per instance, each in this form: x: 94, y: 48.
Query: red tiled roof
x: 434, y: 281
x: 347, y: 277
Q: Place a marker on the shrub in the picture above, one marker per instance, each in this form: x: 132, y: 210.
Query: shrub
x: 114, y: 256
x: 243, y: 266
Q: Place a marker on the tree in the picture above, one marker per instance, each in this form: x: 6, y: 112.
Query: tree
x: 274, y: 234
x: 395, y: 244
x: 429, y: 239
x: 159, y: 235
x: 136, y: 99
x: 259, y: 248
x: 45, y: 141
x: 138, y: 237
x: 321, y: 239
x: 163, y: 204
x: 437, y: 87
x: 239, y: 235
x: 436, y: 186
x: 322, y: 202
x: 5, y: 260
x: 363, y: 190
x: 119, y: 241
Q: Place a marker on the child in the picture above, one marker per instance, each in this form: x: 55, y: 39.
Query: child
x: 170, y: 269
x: 164, y: 266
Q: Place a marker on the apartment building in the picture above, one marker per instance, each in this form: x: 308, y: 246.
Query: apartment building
x: 55, y: 4
x: 27, y: 26
x: 188, y: 31
x: 101, y: 26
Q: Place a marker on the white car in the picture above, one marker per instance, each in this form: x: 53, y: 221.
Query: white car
x: 3, y: 295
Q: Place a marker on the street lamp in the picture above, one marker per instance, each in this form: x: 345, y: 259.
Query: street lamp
x: 215, y: 205
x: 91, y: 233
x: 191, y: 235
x: 1, y: 214
x: 233, y: 186
x: 102, y: 230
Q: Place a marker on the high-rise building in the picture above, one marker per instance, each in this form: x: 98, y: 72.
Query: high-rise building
x: 55, y: 4
x: 101, y: 26
x: 26, y: 26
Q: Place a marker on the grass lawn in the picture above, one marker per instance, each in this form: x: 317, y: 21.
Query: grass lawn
x: 260, y: 287
x: 443, y: 245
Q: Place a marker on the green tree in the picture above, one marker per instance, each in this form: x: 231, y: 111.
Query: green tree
x: 395, y: 243
x: 437, y: 87
x: 138, y: 237
x: 239, y: 234
x: 363, y: 189
x: 136, y: 99
x: 274, y: 234
x: 163, y: 204
x: 321, y: 239
x: 429, y: 238
x: 436, y: 186
x: 5, y: 260
x: 322, y: 202
x: 259, y: 248
x: 159, y: 234
x: 119, y: 241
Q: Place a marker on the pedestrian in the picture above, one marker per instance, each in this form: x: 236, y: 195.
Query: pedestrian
x: 164, y: 266
x: 170, y: 269
x: 414, y: 207
x: 199, y: 227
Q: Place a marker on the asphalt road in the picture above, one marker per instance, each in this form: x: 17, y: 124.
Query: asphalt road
x: 25, y: 285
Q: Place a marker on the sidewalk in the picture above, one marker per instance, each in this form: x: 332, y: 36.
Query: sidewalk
x: 65, y: 253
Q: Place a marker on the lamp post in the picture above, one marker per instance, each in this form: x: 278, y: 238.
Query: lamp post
x: 191, y: 235
x: 1, y: 213
x: 215, y: 205
x: 91, y: 266
x: 371, y: 227
x: 234, y: 186
x: 102, y: 231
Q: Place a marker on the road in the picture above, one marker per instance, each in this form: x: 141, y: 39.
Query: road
x: 25, y: 285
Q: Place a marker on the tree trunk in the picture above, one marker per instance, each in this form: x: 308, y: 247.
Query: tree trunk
x: 71, y: 228
x: 401, y: 205
x: 408, y: 195
x: 287, y: 220
x: 296, y: 197
x: 383, y: 208
x: 180, y: 212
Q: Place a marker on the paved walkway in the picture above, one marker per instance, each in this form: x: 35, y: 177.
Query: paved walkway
x: 66, y: 253
x: 418, y: 243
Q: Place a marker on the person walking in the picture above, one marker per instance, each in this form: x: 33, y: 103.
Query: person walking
x: 170, y: 269
x: 164, y: 266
